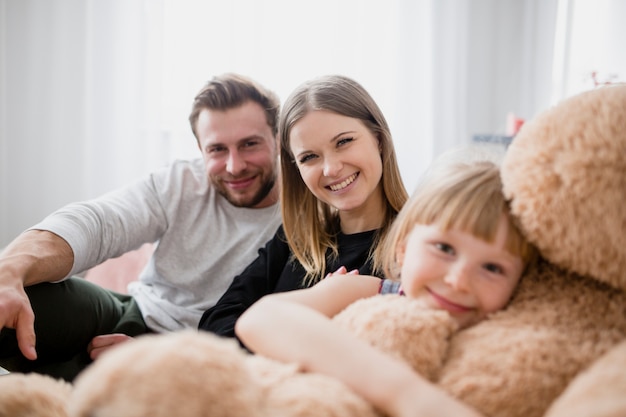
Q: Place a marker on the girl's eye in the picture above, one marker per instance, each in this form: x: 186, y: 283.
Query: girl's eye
x: 494, y: 268
x: 445, y: 248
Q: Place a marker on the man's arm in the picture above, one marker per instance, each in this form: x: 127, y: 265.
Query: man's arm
x: 37, y: 256
x: 33, y: 257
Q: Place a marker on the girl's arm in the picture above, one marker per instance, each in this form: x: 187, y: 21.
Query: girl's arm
x: 296, y: 327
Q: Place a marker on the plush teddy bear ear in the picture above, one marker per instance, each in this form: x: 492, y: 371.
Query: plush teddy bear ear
x: 565, y: 173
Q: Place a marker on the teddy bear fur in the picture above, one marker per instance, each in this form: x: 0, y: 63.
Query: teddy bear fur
x: 33, y: 395
x: 199, y: 374
x: 557, y: 350
x: 597, y: 391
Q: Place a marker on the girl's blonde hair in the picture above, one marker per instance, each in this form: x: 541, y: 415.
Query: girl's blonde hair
x: 310, y: 225
x: 458, y: 195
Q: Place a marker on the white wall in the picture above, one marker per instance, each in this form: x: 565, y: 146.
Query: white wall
x: 40, y: 142
x: 74, y: 112
x: 89, y: 88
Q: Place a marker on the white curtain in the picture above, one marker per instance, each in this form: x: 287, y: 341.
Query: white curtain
x: 590, y: 45
x: 79, y: 104
x: 95, y: 93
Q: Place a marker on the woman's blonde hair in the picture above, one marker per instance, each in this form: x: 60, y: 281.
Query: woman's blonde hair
x: 310, y: 225
x: 458, y: 195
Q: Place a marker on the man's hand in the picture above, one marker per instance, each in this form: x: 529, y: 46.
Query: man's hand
x: 16, y: 313
x: 102, y: 343
x: 33, y: 257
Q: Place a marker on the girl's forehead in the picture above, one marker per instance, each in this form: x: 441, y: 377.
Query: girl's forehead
x: 487, y: 228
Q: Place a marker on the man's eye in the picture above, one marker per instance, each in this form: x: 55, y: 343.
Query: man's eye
x: 215, y: 150
x: 445, y: 248
x: 251, y: 143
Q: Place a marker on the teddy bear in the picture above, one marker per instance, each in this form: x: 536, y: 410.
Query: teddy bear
x: 557, y: 350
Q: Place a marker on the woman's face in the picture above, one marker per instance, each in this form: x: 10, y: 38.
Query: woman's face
x: 340, y: 162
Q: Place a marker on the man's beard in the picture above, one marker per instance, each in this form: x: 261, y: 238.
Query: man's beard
x: 250, y: 202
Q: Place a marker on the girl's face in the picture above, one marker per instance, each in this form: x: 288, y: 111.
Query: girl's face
x: 458, y: 272
x: 340, y: 162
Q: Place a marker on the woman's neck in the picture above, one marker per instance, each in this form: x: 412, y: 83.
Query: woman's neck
x: 369, y: 216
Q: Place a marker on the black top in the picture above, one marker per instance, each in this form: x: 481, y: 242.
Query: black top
x: 274, y: 270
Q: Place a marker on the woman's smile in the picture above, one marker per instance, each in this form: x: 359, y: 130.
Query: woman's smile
x: 343, y: 184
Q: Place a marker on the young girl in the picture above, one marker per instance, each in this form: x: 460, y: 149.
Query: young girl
x: 455, y: 247
x: 340, y: 192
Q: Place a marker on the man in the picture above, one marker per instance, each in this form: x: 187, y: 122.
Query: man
x: 207, y: 216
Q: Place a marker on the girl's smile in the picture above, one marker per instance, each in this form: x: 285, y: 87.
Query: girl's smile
x: 446, y: 304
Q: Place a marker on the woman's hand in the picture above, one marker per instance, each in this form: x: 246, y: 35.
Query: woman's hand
x: 342, y: 270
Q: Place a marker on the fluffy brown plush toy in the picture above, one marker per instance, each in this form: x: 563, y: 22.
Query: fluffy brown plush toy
x: 190, y: 374
x: 33, y: 395
x: 558, y: 349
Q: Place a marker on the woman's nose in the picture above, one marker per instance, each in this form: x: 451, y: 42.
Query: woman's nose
x: 332, y: 166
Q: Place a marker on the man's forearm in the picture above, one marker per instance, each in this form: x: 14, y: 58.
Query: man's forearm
x: 37, y: 256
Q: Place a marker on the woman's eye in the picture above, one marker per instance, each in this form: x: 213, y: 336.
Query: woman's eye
x: 495, y: 268
x: 445, y: 248
x: 306, y: 158
x: 344, y: 141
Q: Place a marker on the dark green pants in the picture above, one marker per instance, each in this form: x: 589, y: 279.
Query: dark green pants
x: 68, y: 315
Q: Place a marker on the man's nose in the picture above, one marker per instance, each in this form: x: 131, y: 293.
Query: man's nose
x: 235, y: 163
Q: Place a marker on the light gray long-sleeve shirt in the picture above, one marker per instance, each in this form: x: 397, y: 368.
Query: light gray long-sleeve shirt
x: 203, y: 241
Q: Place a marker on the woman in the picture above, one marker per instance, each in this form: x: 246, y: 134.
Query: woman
x: 341, y: 190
